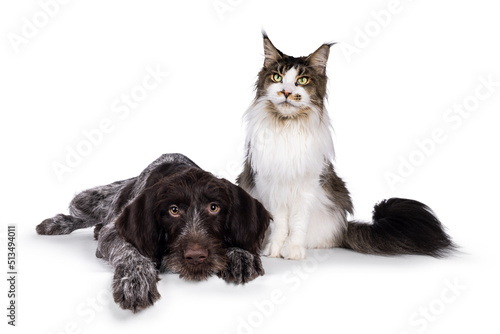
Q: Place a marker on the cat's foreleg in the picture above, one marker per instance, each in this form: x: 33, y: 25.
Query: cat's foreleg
x: 278, y: 233
x: 298, y: 222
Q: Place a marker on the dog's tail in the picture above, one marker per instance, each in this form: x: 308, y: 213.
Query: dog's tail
x: 400, y: 226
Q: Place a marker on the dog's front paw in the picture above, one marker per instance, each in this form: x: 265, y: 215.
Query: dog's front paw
x: 293, y: 251
x: 134, y: 286
x: 272, y: 249
x: 242, y: 266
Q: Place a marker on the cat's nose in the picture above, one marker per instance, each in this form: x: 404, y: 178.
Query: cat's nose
x: 287, y: 94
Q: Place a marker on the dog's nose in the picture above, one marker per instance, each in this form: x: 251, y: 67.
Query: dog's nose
x: 195, y: 254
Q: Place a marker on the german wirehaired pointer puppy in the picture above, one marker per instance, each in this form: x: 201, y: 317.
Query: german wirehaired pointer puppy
x: 174, y: 216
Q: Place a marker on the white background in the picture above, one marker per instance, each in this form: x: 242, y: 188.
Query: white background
x: 416, y: 64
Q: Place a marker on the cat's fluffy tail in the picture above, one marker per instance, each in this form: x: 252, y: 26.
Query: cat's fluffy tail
x: 400, y: 226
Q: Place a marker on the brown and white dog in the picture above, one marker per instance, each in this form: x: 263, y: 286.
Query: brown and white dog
x: 173, y: 216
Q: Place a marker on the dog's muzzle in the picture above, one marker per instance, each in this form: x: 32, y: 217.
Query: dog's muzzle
x: 195, y: 254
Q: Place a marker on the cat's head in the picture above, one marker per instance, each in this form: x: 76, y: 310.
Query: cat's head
x: 292, y: 86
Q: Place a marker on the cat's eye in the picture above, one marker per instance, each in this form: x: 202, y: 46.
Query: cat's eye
x: 276, y: 77
x: 174, y: 211
x: 302, y: 81
x: 213, y: 208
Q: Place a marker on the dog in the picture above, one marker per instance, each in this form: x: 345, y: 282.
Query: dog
x: 173, y: 217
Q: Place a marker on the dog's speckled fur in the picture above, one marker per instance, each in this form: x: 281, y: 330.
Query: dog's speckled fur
x: 139, y: 237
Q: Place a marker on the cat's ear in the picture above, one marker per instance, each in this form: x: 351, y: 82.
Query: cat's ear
x: 271, y: 54
x: 319, y: 58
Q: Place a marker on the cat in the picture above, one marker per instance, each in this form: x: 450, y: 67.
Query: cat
x: 288, y: 167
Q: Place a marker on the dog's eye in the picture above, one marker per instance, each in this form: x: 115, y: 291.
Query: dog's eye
x: 174, y: 211
x: 213, y: 208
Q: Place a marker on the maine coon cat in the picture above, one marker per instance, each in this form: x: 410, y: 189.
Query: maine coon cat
x: 288, y: 167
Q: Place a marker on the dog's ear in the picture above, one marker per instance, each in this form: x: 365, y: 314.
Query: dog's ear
x: 139, y: 225
x: 247, y: 221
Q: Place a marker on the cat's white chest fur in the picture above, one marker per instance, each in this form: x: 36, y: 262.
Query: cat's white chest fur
x: 291, y: 149
x: 288, y: 151
x: 288, y: 159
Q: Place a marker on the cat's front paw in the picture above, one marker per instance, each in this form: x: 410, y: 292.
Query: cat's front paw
x: 293, y: 252
x: 272, y: 249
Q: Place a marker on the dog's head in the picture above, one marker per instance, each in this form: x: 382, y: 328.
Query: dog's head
x: 189, y: 218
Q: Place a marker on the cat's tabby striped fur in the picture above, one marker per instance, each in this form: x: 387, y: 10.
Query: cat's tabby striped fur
x: 289, y: 168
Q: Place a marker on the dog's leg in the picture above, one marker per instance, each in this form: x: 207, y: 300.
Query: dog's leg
x: 60, y: 224
x: 89, y: 208
x: 136, y: 276
x: 242, y: 266
x: 134, y: 285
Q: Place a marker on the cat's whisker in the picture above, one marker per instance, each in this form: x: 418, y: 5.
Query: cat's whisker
x: 289, y: 169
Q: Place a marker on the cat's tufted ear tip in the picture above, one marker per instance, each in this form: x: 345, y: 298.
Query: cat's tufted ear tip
x: 264, y: 34
x: 319, y: 58
x: 271, y: 54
